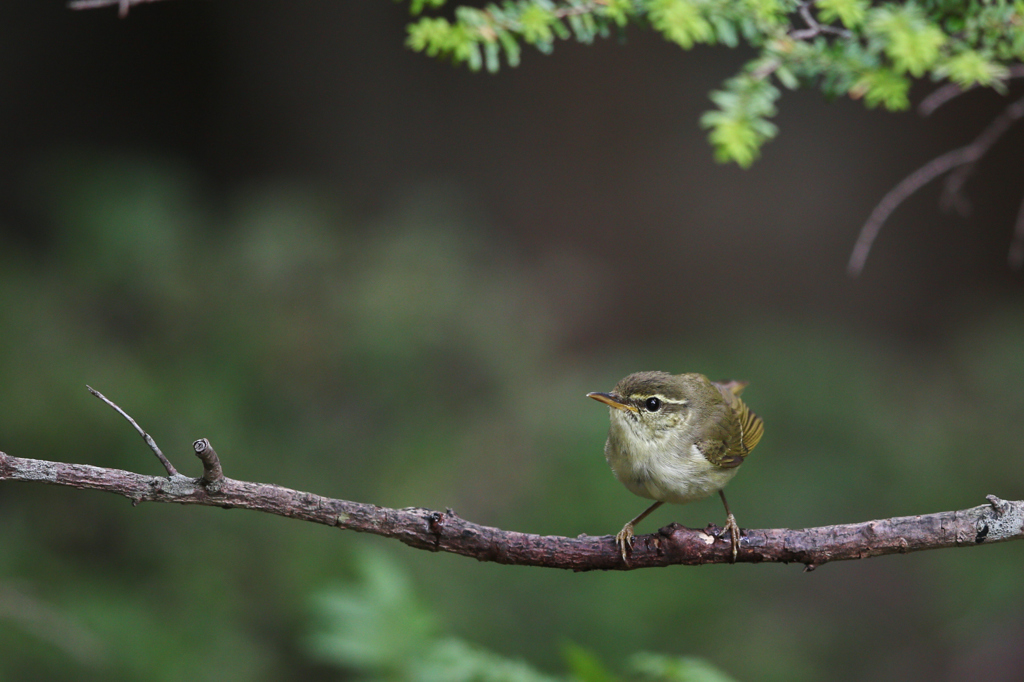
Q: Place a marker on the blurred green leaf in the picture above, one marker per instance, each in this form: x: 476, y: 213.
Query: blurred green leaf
x: 907, y: 36
x: 850, y: 13
x: 584, y: 665
x: 657, y: 668
x: 378, y: 627
x: 375, y: 625
x: 453, y: 660
x: 681, y: 21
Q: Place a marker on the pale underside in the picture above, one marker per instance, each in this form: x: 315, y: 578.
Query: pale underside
x: 662, y: 465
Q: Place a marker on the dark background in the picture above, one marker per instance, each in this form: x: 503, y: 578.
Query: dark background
x: 369, y: 274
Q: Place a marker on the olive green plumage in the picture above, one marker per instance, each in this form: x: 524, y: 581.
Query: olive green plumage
x: 677, y: 438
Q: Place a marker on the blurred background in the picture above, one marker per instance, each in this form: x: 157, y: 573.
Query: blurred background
x: 369, y: 275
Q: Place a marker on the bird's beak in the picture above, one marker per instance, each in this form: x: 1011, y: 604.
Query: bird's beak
x: 612, y: 400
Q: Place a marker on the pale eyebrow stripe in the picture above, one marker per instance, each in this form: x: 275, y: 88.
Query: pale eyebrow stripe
x: 659, y: 397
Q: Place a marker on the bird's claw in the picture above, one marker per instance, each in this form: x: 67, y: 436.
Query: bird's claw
x: 734, y: 535
x: 624, y: 539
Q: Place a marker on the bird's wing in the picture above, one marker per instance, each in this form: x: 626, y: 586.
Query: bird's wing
x: 734, y: 387
x: 729, y: 439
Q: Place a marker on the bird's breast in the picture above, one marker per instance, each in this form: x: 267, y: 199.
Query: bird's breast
x: 664, y: 468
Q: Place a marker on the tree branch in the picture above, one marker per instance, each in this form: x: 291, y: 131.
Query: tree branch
x: 959, y: 163
x: 171, y: 471
x: 814, y: 27
x: 1016, y: 254
x: 950, y: 91
x: 898, y: 194
x: 122, y: 5
x: 437, y: 531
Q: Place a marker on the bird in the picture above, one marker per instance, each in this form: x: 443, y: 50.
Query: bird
x: 677, y: 438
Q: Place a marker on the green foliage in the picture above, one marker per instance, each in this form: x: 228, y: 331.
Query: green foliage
x: 375, y: 624
x: 849, y: 13
x: 417, y: 6
x: 681, y: 21
x: 656, y: 668
x: 970, y: 68
x: 906, y: 36
x: 882, y: 86
x: 378, y: 628
x: 844, y: 47
x: 585, y: 665
x: 740, y: 125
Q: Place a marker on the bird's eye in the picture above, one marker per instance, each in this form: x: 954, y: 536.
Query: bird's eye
x: 652, y: 404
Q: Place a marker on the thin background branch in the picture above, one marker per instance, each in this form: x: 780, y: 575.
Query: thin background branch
x: 122, y: 5
x: 814, y: 27
x: 959, y: 163
x: 171, y: 471
x: 951, y: 91
x: 897, y: 195
x: 1015, y: 257
x: 50, y: 624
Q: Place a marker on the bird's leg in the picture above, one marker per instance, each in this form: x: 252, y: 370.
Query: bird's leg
x: 624, y: 538
x: 730, y: 525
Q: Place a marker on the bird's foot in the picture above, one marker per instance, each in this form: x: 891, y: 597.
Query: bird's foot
x: 734, y: 535
x: 624, y: 539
